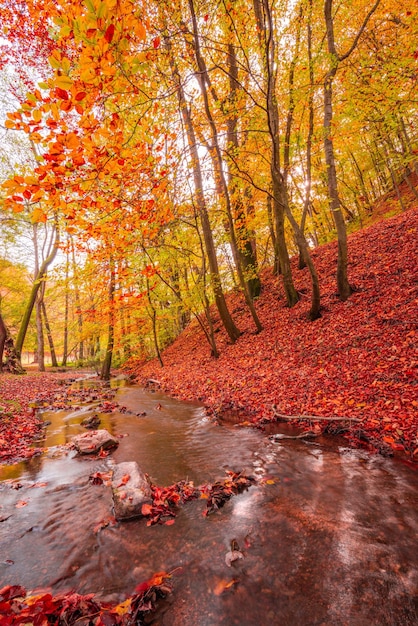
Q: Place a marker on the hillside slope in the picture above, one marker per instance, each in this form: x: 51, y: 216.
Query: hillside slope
x: 358, y: 361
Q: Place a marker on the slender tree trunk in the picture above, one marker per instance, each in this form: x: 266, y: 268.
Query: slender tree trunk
x: 66, y: 311
x: 36, y: 285
x: 54, y: 361
x: 226, y: 318
x: 307, y: 207
x: 246, y: 249
x: 107, y: 361
x: 153, y: 316
x: 78, y: 308
x: 344, y: 287
x: 40, y: 333
x: 264, y: 19
x: 217, y: 156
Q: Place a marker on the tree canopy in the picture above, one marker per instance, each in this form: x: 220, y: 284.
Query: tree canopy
x: 174, y: 150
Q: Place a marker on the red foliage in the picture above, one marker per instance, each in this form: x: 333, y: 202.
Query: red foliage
x: 358, y: 360
x: 19, y: 422
x: 165, y: 500
x: 71, y: 608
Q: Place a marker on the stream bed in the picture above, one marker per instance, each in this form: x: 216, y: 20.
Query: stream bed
x: 328, y: 535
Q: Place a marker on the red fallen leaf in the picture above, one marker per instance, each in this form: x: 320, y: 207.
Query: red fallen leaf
x: 103, y: 454
x: 170, y: 522
x: 12, y: 591
x: 20, y: 504
x: 146, y: 509
x: 125, y: 479
x: 156, y: 42
x: 80, y: 96
x: 157, y: 579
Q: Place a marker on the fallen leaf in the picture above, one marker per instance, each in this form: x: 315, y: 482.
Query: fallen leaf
x: 222, y: 585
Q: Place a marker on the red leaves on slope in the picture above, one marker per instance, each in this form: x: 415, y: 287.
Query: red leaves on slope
x: 358, y: 361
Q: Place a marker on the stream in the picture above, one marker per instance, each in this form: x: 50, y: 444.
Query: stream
x: 328, y: 534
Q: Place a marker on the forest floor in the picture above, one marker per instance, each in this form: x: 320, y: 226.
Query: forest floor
x: 357, y: 363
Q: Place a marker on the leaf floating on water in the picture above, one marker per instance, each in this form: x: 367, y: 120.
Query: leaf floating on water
x: 223, y: 585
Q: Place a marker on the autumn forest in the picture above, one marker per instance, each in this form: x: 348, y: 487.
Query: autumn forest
x: 170, y: 153
x: 219, y: 199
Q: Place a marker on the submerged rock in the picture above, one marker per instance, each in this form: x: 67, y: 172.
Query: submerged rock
x: 130, y: 490
x: 92, y: 421
x: 94, y: 441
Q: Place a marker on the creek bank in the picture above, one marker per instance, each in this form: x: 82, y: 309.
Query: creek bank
x: 327, y: 534
x: 357, y: 362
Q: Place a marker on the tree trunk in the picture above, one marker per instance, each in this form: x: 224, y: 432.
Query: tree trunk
x: 343, y: 286
x: 226, y: 318
x: 264, y: 19
x: 246, y: 249
x: 40, y: 333
x: 12, y: 362
x: 54, y: 361
x: 107, y: 361
x: 66, y: 311
x: 78, y: 309
x: 32, y: 298
x: 217, y: 157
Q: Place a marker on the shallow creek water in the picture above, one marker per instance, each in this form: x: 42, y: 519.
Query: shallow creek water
x: 329, y: 535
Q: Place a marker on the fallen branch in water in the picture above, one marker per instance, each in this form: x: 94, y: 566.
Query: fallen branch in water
x: 318, y: 418
x: 308, y: 434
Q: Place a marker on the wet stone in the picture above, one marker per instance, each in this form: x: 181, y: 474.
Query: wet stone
x: 92, y: 421
x: 130, y: 490
x: 94, y: 441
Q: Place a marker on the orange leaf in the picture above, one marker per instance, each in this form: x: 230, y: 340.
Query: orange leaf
x: 125, y: 479
x: 146, y: 509
x: 222, y: 585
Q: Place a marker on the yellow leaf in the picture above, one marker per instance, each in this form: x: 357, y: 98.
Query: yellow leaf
x: 63, y: 82
x: 37, y: 115
x: 38, y: 216
x: 88, y: 75
x: 54, y: 62
x: 123, y: 608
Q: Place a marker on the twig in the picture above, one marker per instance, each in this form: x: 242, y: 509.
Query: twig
x: 319, y: 418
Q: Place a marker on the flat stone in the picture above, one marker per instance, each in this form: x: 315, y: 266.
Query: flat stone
x: 94, y: 441
x: 130, y: 490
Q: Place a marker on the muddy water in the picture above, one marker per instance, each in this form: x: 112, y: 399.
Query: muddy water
x: 329, y: 535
